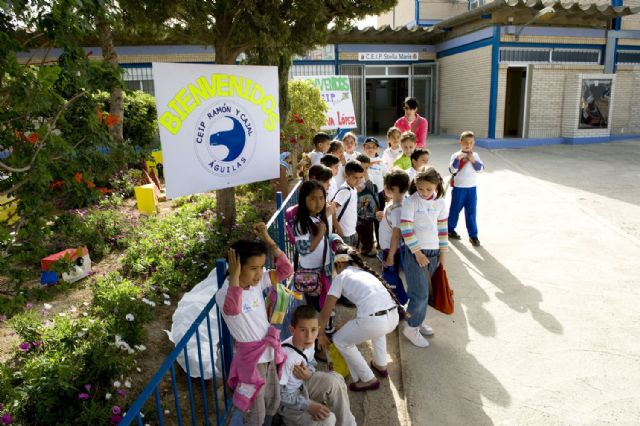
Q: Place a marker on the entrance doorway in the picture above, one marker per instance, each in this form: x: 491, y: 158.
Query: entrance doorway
x: 515, y: 102
x: 384, y: 98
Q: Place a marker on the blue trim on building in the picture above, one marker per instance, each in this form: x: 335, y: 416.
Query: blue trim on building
x: 490, y: 143
x: 464, y: 40
x: 465, y: 48
x: 417, y: 15
x: 616, y: 23
x: 493, y: 90
x: 336, y: 59
x: 429, y: 22
x: 628, y: 47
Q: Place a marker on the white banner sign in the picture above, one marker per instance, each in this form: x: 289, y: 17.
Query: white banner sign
x: 219, y: 125
x: 336, y: 92
x: 388, y: 56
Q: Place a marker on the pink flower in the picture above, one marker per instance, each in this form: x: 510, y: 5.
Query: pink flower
x: 24, y: 346
x: 36, y: 344
x: 116, y: 410
x: 121, y: 392
x: 116, y: 419
x: 87, y: 387
x: 83, y: 396
x: 3, y: 318
x: 6, y: 419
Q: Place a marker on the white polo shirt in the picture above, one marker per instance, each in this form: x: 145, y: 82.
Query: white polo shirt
x: 349, y: 219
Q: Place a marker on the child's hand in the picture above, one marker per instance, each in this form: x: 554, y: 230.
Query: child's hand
x: 234, y: 268
x: 422, y: 259
x: 461, y: 156
x: 470, y: 157
x: 322, y: 228
x: 389, y: 261
x: 441, y: 259
x: 318, y: 411
x: 323, y: 342
x: 301, y: 372
x: 261, y: 230
x: 379, y: 215
x: 331, y: 209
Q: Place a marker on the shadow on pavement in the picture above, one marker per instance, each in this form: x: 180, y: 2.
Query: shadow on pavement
x: 519, y: 297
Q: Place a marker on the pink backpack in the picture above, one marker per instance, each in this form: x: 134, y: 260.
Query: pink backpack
x: 290, y: 221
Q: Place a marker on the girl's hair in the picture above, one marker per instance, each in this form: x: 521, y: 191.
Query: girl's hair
x: 320, y: 172
x: 415, y: 156
x: 431, y: 175
x: 408, y: 135
x: 329, y: 160
x: 248, y: 248
x: 335, y: 146
x: 393, y: 130
x: 303, y: 221
x: 350, y: 135
x: 360, y: 263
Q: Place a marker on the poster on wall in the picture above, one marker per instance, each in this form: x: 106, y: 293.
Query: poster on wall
x: 219, y: 125
x: 336, y: 92
x: 594, y: 103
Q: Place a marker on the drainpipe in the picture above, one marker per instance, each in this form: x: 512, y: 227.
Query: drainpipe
x: 616, y: 24
x: 417, y: 13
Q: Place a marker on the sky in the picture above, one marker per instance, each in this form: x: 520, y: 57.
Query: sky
x: 369, y: 21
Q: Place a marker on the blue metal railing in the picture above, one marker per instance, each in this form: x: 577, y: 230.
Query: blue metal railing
x: 166, y: 380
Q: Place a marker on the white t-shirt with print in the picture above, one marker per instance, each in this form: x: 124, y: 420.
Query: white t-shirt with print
x: 314, y: 259
x: 251, y: 324
x: 351, y: 157
x: 392, y: 214
x: 363, y: 289
x: 377, y: 170
x: 349, y: 219
x: 293, y: 358
x: 425, y: 215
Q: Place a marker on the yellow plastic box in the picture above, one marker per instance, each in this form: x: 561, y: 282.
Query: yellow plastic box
x: 146, y: 198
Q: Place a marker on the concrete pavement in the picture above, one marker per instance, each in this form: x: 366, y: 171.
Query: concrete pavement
x: 546, y: 325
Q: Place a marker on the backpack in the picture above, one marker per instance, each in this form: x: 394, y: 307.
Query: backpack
x: 344, y: 208
x: 289, y: 223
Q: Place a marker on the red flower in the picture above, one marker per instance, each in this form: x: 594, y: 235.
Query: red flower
x: 293, y: 140
x: 99, y: 114
x: 78, y: 177
x: 301, y: 137
x: 112, y: 120
x: 103, y: 190
x: 55, y: 184
x: 90, y: 184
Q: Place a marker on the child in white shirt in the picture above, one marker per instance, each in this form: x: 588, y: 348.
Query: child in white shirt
x: 346, y: 202
x: 419, y: 159
x: 332, y: 162
x: 393, y: 150
x: 337, y: 148
x: 321, y: 142
x: 310, y: 397
x: 350, y: 141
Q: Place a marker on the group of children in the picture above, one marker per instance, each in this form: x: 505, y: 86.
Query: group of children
x: 346, y: 199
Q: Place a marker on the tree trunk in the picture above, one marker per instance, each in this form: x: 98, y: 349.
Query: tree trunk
x: 225, y: 198
x: 116, y: 100
x: 284, y: 64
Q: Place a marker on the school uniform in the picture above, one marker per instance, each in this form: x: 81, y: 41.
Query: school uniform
x: 464, y: 193
x: 326, y: 388
x: 376, y: 316
x: 347, y: 196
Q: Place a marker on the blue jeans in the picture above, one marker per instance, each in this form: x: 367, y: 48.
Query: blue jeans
x: 466, y: 198
x: 418, y: 280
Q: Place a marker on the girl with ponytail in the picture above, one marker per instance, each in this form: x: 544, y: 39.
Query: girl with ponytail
x: 376, y: 316
x: 423, y: 223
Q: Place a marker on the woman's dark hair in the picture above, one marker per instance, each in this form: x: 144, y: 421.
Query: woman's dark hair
x: 411, y: 102
x: 360, y: 263
x: 415, y: 156
x: 329, y: 160
x: 397, y: 178
x: 249, y: 248
x: 428, y: 174
x: 320, y: 172
x: 303, y: 221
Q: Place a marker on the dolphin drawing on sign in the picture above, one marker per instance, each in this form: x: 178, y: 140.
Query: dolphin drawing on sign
x: 233, y: 140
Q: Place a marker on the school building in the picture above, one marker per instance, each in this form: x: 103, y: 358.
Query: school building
x: 516, y: 72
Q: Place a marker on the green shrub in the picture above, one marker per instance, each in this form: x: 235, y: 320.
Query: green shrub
x: 307, y: 115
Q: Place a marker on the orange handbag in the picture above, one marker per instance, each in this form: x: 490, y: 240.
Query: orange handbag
x: 441, y: 295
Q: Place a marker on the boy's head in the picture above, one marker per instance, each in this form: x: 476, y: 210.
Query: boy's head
x: 322, y: 174
x: 321, y: 142
x: 419, y: 158
x: 353, y: 173
x: 364, y: 160
x: 336, y: 148
x: 396, y: 184
x: 253, y: 255
x: 408, y: 143
x: 332, y: 162
x: 371, y: 146
x: 304, y: 326
x: 467, y: 140
x: 350, y: 141
x: 393, y: 137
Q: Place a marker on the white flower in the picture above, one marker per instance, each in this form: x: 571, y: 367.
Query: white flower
x: 166, y: 296
x: 167, y: 412
x: 130, y: 351
x: 85, y: 304
x: 73, y: 309
x: 107, y: 396
x: 62, y: 314
x: 149, y: 302
x: 127, y: 383
x: 85, y: 314
x: 139, y: 370
x: 80, y: 333
x: 129, y: 317
x: 117, y: 384
x: 141, y: 348
x: 47, y: 306
x: 167, y: 302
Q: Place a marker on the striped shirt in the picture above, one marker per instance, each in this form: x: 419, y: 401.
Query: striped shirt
x: 424, y: 223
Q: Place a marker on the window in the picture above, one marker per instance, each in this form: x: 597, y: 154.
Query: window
x: 591, y: 56
x: 475, y: 3
x: 524, y: 55
x: 549, y: 55
x: 139, y: 79
x: 303, y: 70
x: 629, y: 56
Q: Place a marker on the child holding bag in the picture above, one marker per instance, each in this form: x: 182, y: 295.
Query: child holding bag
x: 423, y: 223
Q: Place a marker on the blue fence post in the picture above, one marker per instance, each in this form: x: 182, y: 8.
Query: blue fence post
x: 280, y: 221
x: 227, y: 352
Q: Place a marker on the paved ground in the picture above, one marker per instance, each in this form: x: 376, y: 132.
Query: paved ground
x: 546, y: 325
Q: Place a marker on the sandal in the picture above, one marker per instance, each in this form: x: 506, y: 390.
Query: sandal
x: 381, y: 373
x: 373, y: 386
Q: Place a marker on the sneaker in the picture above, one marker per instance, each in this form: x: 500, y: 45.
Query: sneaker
x: 454, y: 235
x: 475, y: 242
x: 414, y: 336
x: 425, y: 330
